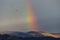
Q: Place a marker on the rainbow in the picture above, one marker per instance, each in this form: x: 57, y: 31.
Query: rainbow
x: 31, y: 18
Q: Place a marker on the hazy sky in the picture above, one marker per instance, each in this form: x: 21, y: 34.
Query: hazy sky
x: 48, y: 14
x: 13, y: 15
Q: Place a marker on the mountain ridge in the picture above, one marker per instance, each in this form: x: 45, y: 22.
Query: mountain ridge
x: 31, y: 34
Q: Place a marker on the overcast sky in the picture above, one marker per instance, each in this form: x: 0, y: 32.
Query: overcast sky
x: 13, y: 15
x: 48, y: 12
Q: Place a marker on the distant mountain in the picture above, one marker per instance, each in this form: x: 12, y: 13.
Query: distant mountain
x: 20, y: 34
x: 31, y: 34
x: 35, y: 34
x: 27, y: 34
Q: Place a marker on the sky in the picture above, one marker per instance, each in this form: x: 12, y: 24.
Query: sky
x: 13, y: 15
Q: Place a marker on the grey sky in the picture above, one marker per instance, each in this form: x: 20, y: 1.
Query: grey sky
x: 48, y: 14
x: 13, y: 15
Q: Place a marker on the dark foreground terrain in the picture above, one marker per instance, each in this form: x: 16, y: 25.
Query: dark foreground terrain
x: 8, y: 37
x: 27, y: 36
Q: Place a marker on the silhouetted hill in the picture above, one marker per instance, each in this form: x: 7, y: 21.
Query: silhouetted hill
x: 20, y: 34
x: 31, y: 35
x: 35, y: 34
